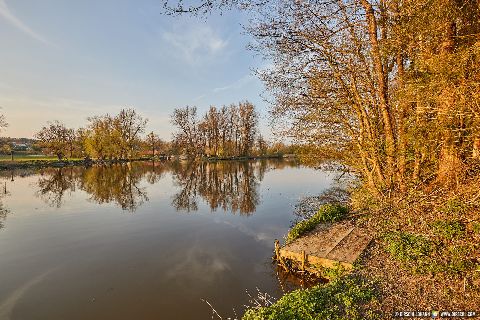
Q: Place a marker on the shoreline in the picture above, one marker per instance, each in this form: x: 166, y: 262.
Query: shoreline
x: 54, y: 163
x: 408, y: 265
x: 26, y: 164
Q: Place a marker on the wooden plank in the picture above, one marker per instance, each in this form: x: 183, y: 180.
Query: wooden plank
x: 349, y: 231
x: 351, y: 247
x: 313, y: 260
x: 304, y: 258
x: 328, y: 263
x: 327, y: 246
x: 322, y: 240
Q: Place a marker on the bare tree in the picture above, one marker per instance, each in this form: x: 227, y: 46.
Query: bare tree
x: 230, y: 131
x: 380, y: 85
x: 154, y: 142
x: 3, y: 122
x: 187, y: 136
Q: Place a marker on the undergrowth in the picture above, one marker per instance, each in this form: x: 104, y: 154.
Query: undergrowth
x: 326, y: 213
x: 345, y: 297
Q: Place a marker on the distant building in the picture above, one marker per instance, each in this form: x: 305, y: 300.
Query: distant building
x: 20, y: 146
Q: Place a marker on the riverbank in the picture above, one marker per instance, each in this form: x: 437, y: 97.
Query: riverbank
x: 235, y: 158
x: 425, y: 256
x: 44, y: 163
x: 241, y: 158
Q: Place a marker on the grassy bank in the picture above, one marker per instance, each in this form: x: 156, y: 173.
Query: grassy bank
x: 42, y: 162
x: 427, y: 249
x: 425, y: 256
x: 326, y: 213
x: 346, y: 297
x: 29, y: 157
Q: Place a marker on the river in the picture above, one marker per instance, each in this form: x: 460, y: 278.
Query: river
x: 145, y: 240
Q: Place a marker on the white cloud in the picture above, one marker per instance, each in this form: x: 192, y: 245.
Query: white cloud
x: 196, y: 43
x: 240, y: 83
x: 235, y: 85
x: 17, y: 23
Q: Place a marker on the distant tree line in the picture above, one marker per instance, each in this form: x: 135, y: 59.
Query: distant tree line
x: 228, y: 131
x: 104, y: 137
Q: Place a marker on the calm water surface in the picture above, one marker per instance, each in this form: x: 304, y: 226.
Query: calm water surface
x: 144, y: 241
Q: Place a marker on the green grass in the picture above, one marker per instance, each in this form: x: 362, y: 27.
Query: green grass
x: 342, y: 298
x: 422, y: 256
x: 454, y: 207
x: 413, y: 251
x: 326, y: 213
x: 476, y: 227
x: 24, y: 157
x: 449, y: 229
x: 407, y: 247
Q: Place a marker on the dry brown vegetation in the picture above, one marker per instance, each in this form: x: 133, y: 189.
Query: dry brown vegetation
x: 427, y: 250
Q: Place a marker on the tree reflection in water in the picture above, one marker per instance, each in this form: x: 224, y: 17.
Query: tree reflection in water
x: 3, y: 214
x: 3, y: 210
x: 119, y: 184
x: 229, y: 185
x: 53, y: 184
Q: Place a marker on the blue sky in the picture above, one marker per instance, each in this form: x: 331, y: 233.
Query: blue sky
x: 67, y: 60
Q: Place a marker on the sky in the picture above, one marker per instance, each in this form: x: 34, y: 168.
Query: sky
x: 68, y: 60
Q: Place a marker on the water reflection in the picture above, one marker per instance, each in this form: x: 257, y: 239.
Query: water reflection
x: 229, y: 185
x: 118, y: 184
x: 53, y: 184
x: 232, y: 186
x: 3, y: 210
x: 3, y: 215
x: 176, y: 259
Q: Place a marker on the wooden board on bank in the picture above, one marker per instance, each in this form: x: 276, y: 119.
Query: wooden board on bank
x: 327, y: 245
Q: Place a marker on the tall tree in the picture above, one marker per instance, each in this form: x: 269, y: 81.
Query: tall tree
x: 56, y: 138
x: 115, y: 137
x: 390, y: 88
x: 154, y: 143
x: 230, y: 131
x: 187, y: 136
x: 129, y: 125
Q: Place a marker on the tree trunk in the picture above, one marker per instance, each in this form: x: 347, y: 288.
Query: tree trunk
x: 402, y: 139
x: 450, y: 163
x: 476, y: 149
x: 381, y: 90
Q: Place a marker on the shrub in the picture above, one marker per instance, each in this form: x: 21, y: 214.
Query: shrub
x: 343, y: 298
x: 326, y: 213
x: 458, y: 260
